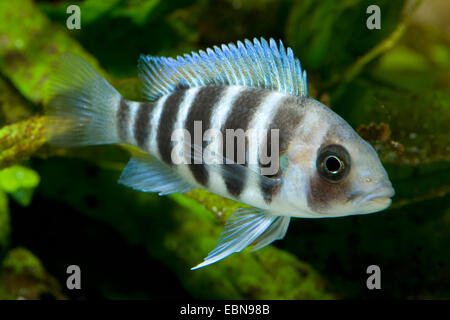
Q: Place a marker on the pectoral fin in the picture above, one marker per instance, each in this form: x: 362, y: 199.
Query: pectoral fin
x: 246, y: 226
x: 145, y: 173
x: 276, y: 231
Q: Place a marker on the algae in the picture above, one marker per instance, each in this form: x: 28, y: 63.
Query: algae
x: 23, y: 277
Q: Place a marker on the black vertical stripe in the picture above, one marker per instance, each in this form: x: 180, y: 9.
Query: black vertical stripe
x: 201, y: 110
x: 242, y: 111
x: 287, y: 118
x: 322, y: 194
x: 167, y: 122
x: 142, y: 124
x: 270, y: 190
x: 123, y: 119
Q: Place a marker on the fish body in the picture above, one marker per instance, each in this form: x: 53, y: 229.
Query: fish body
x: 218, y: 108
x: 236, y: 121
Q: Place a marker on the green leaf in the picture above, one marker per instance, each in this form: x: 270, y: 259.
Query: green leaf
x: 30, y: 46
x: 13, y: 108
x: 20, y: 182
x: 316, y: 29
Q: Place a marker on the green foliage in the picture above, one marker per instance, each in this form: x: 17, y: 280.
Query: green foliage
x: 13, y: 108
x: 391, y: 84
x: 140, y: 26
x: 20, y: 182
x: 22, y: 276
x: 181, y: 236
x: 339, y: 27
x: 4, y: 223
x: 19, y: 140
x: 30, y: 46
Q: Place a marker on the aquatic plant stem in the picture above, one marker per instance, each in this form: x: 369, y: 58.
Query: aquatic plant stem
x: 356, y: 68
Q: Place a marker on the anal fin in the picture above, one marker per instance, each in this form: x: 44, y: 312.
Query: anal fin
x: 145, y: 173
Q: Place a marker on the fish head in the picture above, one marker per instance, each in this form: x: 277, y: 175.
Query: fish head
x: 331, y: 170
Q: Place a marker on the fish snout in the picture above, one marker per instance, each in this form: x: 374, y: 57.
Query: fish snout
x: 381, y: 194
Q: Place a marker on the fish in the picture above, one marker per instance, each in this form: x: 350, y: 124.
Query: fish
x: 296, y: 159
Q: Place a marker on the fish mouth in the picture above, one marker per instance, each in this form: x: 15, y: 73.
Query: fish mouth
x: 381, y: 196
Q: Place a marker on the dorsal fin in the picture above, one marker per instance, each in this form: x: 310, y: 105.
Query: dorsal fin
x: 258, y: 64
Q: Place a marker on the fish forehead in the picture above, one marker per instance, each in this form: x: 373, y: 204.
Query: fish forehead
x: 310, y: 134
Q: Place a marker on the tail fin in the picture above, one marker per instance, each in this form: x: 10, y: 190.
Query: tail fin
x: 82, y: 106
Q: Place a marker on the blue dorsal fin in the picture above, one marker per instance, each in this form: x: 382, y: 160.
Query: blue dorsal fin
x: 254, y: 64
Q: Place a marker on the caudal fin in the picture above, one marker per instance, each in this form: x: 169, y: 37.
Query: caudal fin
x: 82, y: 107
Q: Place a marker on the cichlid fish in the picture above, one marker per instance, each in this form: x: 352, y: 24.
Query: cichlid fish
x: 323, y: 169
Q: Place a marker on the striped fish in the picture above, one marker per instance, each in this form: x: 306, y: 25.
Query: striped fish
x: 323, y: 168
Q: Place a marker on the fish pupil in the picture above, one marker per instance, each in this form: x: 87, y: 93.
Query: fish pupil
x: 333, y: 164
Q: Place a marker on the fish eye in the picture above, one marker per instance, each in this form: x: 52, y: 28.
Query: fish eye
x: 333, y: 163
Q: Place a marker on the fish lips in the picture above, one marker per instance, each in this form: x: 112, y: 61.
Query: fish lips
x: 379, y: 199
